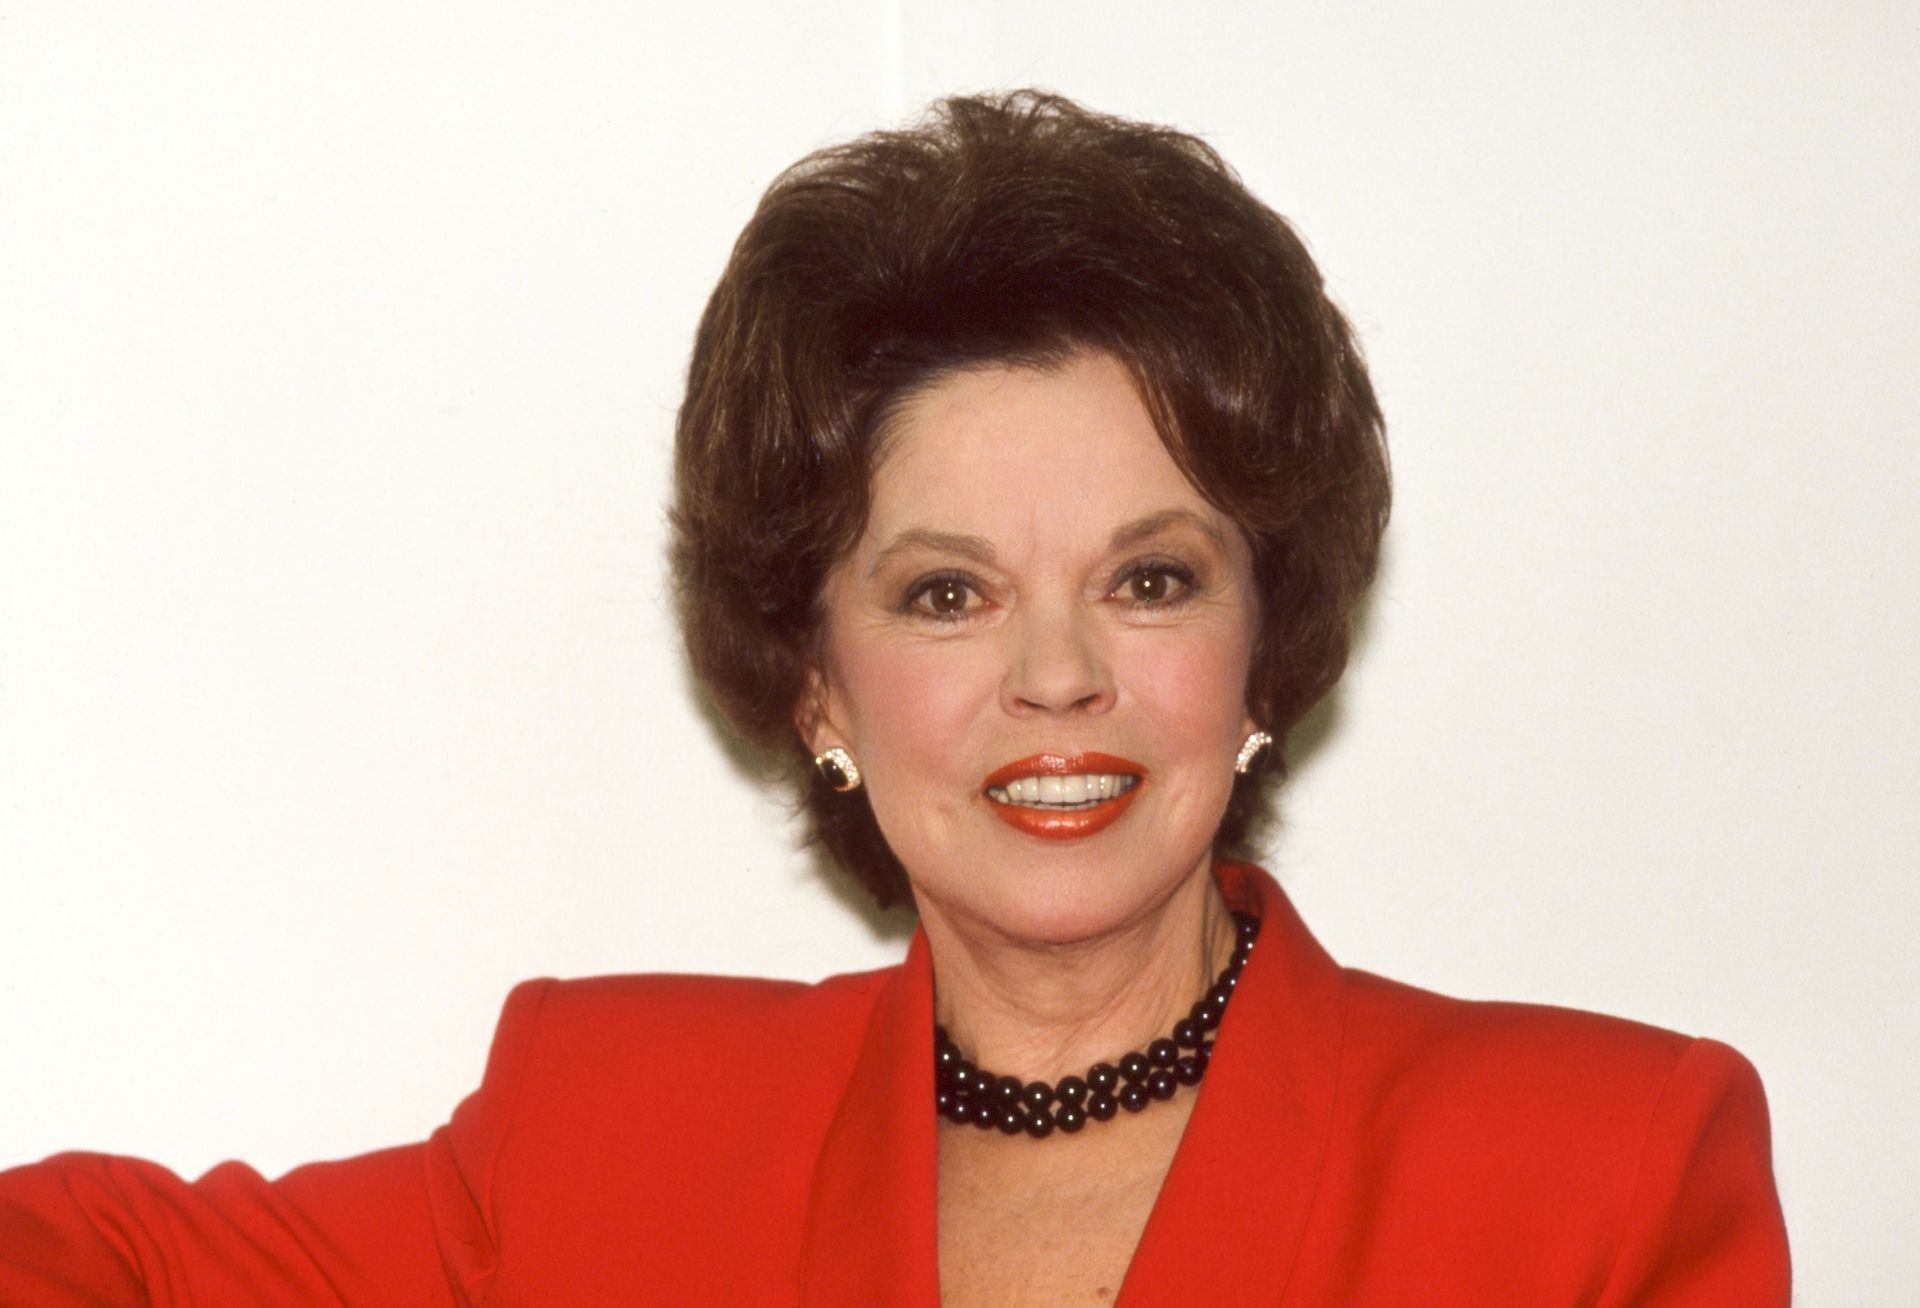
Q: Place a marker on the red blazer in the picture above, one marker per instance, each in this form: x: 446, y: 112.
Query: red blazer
x: 700, y: 1141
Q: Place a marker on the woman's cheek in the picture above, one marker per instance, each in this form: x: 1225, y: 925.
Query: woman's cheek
x: 1191, y: 688
x: 919, y: 706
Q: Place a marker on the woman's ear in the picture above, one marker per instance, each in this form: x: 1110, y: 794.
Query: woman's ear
x: 1252, y: 719
x: 813, y: 717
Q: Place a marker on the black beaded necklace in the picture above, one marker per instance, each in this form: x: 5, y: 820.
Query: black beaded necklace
x: 965, y: 1093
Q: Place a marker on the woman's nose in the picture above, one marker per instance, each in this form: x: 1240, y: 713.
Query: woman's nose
x: 1057, y: 664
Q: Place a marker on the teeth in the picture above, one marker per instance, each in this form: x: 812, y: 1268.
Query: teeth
x: 1080, y: 791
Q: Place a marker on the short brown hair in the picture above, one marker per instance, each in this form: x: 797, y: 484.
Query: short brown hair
x: 1012, y: 228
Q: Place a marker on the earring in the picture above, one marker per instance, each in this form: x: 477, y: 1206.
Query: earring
x: 838, y: 769
x: 1253, y: 753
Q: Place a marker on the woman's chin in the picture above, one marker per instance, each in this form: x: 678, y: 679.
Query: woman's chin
x: 1063, y: 897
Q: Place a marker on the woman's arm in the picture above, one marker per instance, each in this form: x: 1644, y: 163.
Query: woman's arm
x: 1705, y: 1228
x: 405, y: 1226
x: 92, y: 1229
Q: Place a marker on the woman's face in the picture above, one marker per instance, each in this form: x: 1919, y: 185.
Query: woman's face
x: 1037, y: 653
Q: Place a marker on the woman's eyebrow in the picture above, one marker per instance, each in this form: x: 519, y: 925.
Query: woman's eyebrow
x: 980, y: 549
x: 977, y: 548
x: 1153, y: 524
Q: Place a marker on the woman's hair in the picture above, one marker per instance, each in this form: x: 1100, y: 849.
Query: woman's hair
x: 1016, y: 228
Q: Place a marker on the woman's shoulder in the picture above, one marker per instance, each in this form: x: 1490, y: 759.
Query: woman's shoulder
x: 666, y: 1003
x: 1607, y: 1147
x: 1565, y: 1088
x: 617, y: 1018
x: 1490, y: 1044
x: 662, y: 1038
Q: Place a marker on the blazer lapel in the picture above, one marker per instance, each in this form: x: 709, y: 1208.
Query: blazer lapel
x: 870, y: 1229
x: 1227, y: 1225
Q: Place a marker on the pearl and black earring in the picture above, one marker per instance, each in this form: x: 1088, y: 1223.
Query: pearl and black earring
x: 837, y: 769
x: 1253, y: 752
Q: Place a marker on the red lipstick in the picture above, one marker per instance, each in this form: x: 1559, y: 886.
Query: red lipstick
x: 1070, y: 823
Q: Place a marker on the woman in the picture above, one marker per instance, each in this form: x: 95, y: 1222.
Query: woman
x: 1027, y: 484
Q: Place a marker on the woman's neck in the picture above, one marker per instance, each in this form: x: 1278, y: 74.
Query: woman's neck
x: 1042, y: 1011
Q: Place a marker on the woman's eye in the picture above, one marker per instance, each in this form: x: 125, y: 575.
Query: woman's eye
x: 1155, y: 584
x: 944, y: 597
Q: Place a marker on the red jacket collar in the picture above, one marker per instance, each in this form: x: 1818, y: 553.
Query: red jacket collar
x: 1227, y: 1225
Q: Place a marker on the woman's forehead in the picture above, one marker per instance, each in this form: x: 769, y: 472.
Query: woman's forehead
x: 1030, y: 453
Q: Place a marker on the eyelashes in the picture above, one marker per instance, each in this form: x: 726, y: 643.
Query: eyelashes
x: 1145, y: 586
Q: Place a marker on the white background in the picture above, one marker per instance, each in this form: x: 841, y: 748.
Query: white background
x: 339, y: 348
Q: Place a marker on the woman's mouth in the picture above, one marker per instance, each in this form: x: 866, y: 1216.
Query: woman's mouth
x: 1077, y: 791
x: 1063, y: 797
